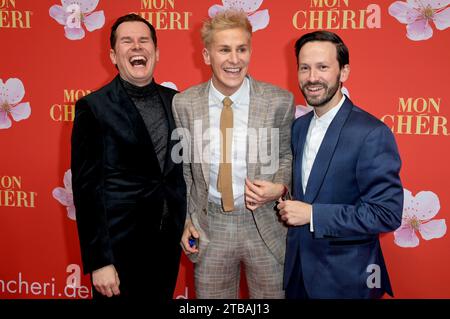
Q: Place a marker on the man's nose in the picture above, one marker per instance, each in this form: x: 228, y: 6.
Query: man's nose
x: 313, y: 75
x: 137, y: 45
x: 234, y: 57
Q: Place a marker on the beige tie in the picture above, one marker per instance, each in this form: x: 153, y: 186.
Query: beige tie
x: 224, y: 180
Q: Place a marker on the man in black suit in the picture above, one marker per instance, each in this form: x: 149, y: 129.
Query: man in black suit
x: 129, y: 194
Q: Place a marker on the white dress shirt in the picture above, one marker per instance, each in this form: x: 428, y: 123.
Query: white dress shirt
x: 316, y: 132
x: 241, y: 102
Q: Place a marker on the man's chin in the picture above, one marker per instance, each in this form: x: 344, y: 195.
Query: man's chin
x: 315, y: 102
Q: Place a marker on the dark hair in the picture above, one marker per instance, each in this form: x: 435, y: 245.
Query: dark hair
x: 130, y: 18
x: 341, y: 49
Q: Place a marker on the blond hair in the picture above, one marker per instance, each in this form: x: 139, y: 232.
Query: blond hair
x: 224, y: 20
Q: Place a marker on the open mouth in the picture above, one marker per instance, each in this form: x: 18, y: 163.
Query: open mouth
x: 138, y: 61
x: 314, y: 89
x: 232, y: 71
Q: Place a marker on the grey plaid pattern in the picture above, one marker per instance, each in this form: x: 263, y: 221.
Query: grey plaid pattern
x: 270, y: 107
x: 235, y: 241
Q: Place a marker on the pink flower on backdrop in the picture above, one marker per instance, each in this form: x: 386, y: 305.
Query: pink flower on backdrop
x: 170, y: 85
x: 417, y: 214
x: 65, y: 196
x: 11, y: 93
x: 258, y: 19
x: 74, y: 13
x: 418, y: 15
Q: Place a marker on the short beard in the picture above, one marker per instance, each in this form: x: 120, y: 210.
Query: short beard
x: 329, y: 93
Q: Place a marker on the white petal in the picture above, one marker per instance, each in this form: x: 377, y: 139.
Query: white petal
x: 259, y: 20
x: 426, y: 205
x: 246, y: 5
x: 419, y: 30
x: 301, y: 110
x: 401, y: 11
x: 408, y: 202
x: 61, y: 195
x: 215, y: 9
x: 58, y: 13
x: 88, y: 5
x: 436, y: 4
x: 14, y: 91
x: 442, y: 19
x: 68, y: 180
x: 5, y: 121
x: 170, y: 85
x: 94, y: 21
x: 2, y: 92
x: 21, y: 111
x: 406, y: 237
x: 71, y: 212
x: 433, y: 229
x: 74, y: 33
x: 345, y: 91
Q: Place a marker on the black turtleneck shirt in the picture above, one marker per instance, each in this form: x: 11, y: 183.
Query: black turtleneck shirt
x: 150, y: 106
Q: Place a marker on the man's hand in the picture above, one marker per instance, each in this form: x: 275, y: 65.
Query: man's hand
x: 189, y: 231
x: 258, y: 193
x: 106, y: 281
x: 294, y: 212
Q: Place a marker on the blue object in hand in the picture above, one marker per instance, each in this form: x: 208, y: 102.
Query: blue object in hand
x: 192, y: 241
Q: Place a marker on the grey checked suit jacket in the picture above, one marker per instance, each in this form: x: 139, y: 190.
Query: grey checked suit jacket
x: 270, y: 107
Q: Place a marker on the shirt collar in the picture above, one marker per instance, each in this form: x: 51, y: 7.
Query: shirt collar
x: 329, y: 116
x: 238, y: 97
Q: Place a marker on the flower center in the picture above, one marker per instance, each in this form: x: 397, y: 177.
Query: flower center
x: 5, y: 106
x: 428, y: 12
x: 414, y: 222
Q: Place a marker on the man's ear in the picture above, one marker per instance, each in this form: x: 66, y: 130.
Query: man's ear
x: 345, y: 72
x: 112, y: 56
x: 206, y: 58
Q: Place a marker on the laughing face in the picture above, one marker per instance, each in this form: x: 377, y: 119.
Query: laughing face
x: 134, y: 53
x: 229, y: 55
x: 320, y: 76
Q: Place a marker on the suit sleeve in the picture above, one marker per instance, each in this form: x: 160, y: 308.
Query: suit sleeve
x: 379, y: 208
x: 87, y: 185
x: 187, y: 173
x: 284, y: 173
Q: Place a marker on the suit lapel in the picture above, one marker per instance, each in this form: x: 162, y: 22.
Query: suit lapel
x: 303, y: 131
x: 168, y: 163
x: 326, y: 151
x: 257, y: 107
x: 200, y: 106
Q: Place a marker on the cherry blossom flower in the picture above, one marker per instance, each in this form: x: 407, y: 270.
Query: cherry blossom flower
x: 74, y: 13
x: 11, y: 93
x: 65, y: 196
x: 417, y: 214
x: 170, y: 85
x: 258, y: 19
x: 418, y: 14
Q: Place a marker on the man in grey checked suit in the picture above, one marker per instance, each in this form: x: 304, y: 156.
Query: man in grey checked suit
x: 249, y: 233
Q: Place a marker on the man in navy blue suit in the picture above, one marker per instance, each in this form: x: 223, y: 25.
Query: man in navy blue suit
x: 346, y: 184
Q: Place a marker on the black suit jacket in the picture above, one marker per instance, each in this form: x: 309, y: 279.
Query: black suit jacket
x: 119, y: 188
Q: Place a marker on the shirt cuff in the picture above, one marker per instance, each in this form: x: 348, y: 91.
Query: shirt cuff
x: 311, y: 226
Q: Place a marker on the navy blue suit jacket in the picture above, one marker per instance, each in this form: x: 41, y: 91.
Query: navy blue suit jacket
x: 355, y: 191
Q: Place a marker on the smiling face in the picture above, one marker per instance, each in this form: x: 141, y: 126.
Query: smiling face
x: 320, y: 76
x: 134, y: 53
x: 229, y: 55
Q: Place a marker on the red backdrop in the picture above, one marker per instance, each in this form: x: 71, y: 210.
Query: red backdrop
x: 399, y: 67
